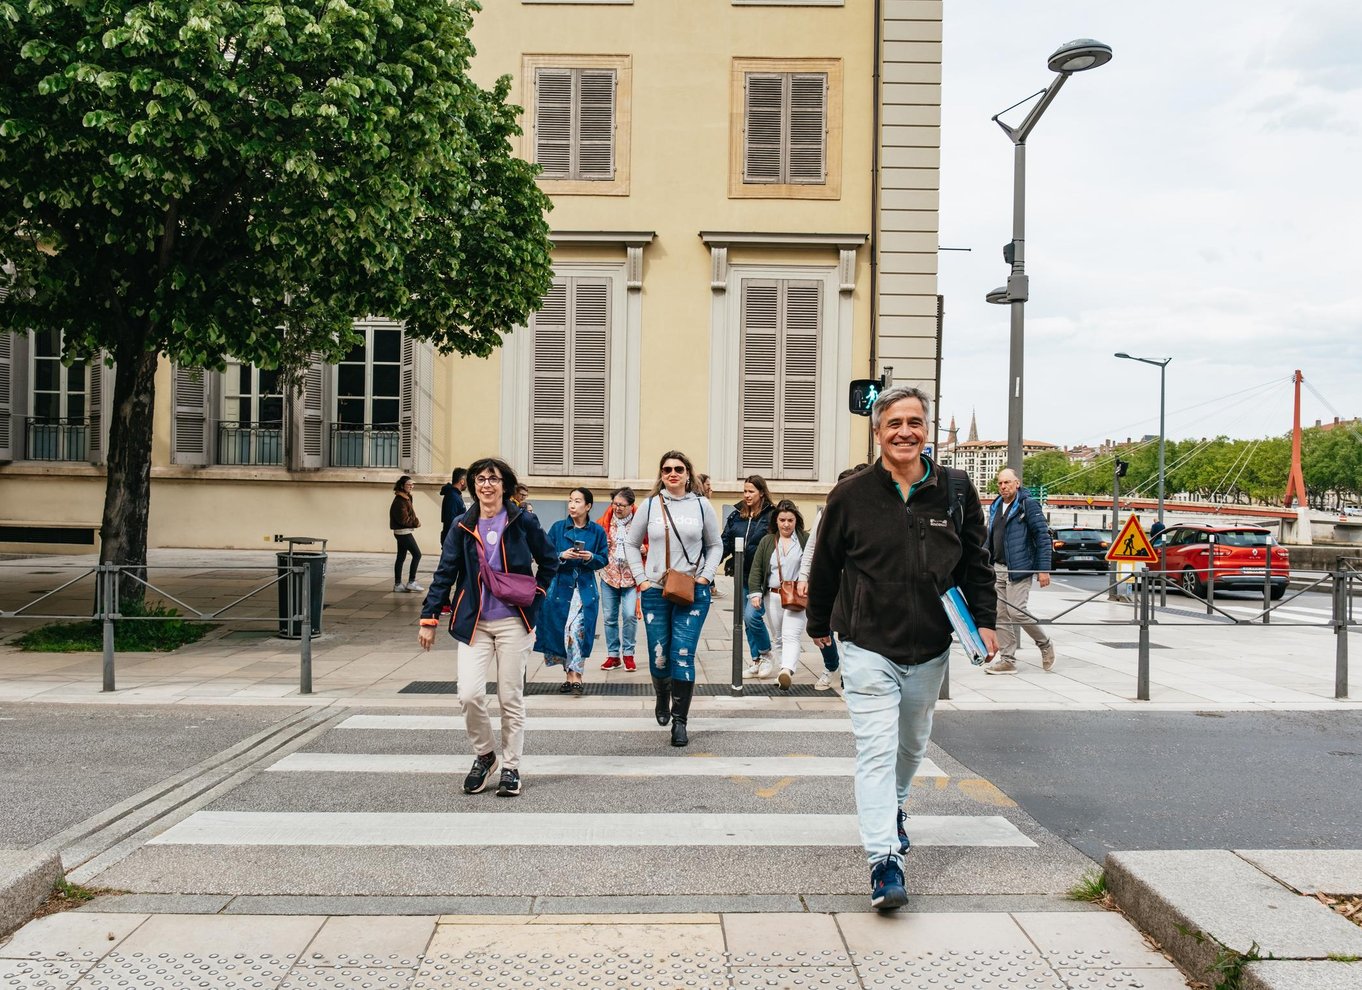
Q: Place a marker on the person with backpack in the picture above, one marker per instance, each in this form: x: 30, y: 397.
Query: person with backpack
x: 892, y: 540
x: 1020, y: 545
x: 674, y: 581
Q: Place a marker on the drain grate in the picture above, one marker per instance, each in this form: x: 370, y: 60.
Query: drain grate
x: 1133, y: 646
x: 629, y: 690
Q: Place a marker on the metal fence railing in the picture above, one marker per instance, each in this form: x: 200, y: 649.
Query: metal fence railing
x: 104, y: 594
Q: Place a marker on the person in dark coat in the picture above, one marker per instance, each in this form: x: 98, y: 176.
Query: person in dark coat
x: 567, y: 619
x: 404, y: 524
x: 751, y: 520
x: 498, y: 535
x: 451, y: 501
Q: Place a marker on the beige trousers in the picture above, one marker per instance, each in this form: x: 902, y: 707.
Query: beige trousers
x: 509, y: 643
x: 1014, y: 593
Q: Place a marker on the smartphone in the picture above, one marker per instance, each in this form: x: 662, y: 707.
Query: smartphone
x: 578, y: 545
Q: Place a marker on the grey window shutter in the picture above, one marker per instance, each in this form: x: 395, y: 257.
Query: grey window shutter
x: 416, y: 406
x: 760, y: 376
x: 307, y: 418
x: 9, y: 431
x: 763, y: 135
x: 100, y: 406
x: 806, y: 135
x: 589, y: 354
x: 595, y: 106
x: 548, y: 383
x: 189, y: 423
x: 553, y: 122
x: 803, y: 307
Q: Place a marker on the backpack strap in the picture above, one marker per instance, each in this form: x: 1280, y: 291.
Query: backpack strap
x: 956, y: 482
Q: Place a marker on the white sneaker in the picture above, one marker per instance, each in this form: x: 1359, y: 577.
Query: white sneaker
x: 413, y: 586
x: 764, y: 668
x: 399, y: 587
x: 824, y: 682
x: 749, y: 669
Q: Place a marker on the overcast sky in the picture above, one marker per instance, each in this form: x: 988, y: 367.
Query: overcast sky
x: 1195, y: 198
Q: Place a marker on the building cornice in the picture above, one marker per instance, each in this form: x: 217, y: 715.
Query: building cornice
x: 719, y: 241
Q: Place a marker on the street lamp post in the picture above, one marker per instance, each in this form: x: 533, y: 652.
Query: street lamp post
x: 1075, y: 56
x: 1163, y: 367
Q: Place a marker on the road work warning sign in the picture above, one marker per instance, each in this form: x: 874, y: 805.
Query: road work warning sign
x: 1132, y: 546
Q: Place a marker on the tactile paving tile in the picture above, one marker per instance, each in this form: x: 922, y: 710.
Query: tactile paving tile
x: 349, y: 978
x: 1123, y: 979
x: 394, y: 960
x: 1099, y: 959
x: 814, y: 957
x: 572, y: 971
x: 132, y: 971
x: 795, y: 978
x: 975, y: 970
x: 39, y: 974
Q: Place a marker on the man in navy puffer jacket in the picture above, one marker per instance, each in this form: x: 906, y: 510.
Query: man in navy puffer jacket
x: 1019, y: 543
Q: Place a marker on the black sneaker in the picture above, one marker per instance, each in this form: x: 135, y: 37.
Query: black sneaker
x: 510, y: 783
x: 887, y: 892
x: 904, y: 844
x: 477, y: 777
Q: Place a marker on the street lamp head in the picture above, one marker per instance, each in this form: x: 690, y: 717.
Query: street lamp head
x: 998, y: 295
x: 1079, y: 54
x: 1122, y: 354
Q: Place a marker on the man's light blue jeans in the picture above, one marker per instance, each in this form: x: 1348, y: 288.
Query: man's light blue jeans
x: 891, y: 707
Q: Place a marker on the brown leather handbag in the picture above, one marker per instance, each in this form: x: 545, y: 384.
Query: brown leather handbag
x: 678, y: 587
x: 790, y: 598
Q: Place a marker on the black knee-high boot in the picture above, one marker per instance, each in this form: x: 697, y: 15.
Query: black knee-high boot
x: 681, y: 694
x: 663, y: 710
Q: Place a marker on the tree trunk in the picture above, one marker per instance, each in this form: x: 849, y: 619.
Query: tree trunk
x: 127, y: 491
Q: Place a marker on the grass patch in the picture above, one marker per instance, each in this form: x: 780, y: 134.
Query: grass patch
x: 67, y: 895
x: 1092, y: 887
x: 1340, y: 957
x: 157, y: 630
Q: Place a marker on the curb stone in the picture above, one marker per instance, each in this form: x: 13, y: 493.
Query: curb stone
x: 26, y: 879
x: 1301, y: 976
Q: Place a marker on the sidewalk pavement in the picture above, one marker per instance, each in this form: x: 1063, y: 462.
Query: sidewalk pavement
x: 367, y: 652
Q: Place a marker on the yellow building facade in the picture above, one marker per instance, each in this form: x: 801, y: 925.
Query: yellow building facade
x: 743, y: 222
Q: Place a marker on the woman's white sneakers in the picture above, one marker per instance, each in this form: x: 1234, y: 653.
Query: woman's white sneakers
x: 409, y: 586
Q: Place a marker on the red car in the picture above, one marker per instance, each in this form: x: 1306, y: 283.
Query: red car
x: 1242, y: 556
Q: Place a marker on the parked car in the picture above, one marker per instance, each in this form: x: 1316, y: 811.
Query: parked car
x: 1242, y: 556
x: 1079, y: 548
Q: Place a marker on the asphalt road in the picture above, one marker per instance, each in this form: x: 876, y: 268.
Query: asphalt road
x: 60, y: 764
x: 1233, y: 780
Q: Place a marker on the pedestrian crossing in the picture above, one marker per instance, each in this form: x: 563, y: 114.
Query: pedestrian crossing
x: 607, y: 809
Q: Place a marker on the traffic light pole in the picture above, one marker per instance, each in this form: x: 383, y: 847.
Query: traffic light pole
x: 1117, y: 470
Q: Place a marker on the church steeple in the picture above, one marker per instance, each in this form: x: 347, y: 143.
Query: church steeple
x: 973, y: 427
x: 951, y: 433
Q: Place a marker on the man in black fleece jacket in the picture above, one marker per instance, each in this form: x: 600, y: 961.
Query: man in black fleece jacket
x: 889, y: 544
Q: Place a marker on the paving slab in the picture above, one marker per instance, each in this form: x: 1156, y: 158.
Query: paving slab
x: 1311, y: 871
x: 1274, y: 975
x: 1193, y: 902
x: 359, y: 942
x: 71, y: 937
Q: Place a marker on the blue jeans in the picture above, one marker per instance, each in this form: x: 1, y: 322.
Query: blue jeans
x: 754, y: 622
x: 618, y: 605
x: 674, y: 632
x: 830, y: 655
x: 891, y: 708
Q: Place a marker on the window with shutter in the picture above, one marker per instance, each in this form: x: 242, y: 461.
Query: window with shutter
x: 785, y: 130
x: 367, y: 429
x: 7, y: 391
x: 575, y: 124
x: 570, y: 379
x: 414, y: 446
x: 781, y: 321
x: 306, y: 447
x: 189, y: 389
x: 250, y: 429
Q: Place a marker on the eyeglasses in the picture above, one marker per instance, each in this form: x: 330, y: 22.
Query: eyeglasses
x: 674, y: 469
x: 487, y: 482
x: 620, y: 505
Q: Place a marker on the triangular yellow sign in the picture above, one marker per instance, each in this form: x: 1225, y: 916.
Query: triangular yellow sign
x: 1132, y: 546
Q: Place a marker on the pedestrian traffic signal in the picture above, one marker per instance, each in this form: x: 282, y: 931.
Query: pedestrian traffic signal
x: 863, y: 393
x: 1122, y: 467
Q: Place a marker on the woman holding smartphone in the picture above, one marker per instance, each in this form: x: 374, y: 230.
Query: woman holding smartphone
x: 567, y: 621
x: 682, y: 534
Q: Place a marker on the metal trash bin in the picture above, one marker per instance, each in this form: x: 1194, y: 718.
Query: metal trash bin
x: 315, y: 562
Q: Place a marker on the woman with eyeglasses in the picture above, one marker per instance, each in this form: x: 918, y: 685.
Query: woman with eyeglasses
x: 497, y: 565
x: 567, y: 622
x: 682, y: 535
x: 619, y: 593
x: 404, y: 524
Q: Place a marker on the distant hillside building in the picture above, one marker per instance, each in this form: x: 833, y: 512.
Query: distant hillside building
x: 983, y: 459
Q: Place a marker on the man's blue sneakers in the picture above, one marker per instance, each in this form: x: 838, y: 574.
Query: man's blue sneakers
x: 903, y: 834
x: 887, y: 892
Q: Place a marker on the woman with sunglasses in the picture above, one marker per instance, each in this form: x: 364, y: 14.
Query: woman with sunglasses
x: 619, y: 595
x: 682, y: 534
x: 567, y: 622
x: 497, y: 564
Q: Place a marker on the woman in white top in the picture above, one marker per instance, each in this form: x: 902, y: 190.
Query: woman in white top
x: 682, y: 533
x: 777, y: 559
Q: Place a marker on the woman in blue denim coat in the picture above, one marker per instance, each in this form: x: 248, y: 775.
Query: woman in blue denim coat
x: 567, y: 620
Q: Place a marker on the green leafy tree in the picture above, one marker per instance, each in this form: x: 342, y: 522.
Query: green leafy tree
x: 241, y: 178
